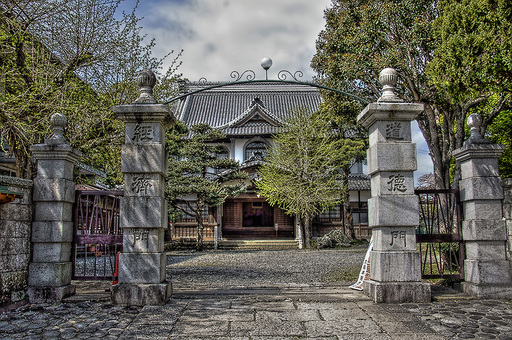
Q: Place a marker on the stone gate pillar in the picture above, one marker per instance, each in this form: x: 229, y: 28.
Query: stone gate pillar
x: 143, y: 212
x: 49, y: 277
x: 395, y: 274
x: 486, y: 268
x: 507, y: 213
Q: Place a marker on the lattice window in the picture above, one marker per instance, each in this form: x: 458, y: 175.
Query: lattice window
x: 187, y: 218
x: 330, y: 215
x: 255, y: 150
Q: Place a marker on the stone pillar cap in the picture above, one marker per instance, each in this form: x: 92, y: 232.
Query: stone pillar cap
x: 389, y: 106
x: 473, y: 151
x: 136, y: 113
x: 374, y: 112
x: 56, y: 151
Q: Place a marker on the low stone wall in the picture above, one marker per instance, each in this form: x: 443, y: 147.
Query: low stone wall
x: 15, y: 226
x: 507, y: 213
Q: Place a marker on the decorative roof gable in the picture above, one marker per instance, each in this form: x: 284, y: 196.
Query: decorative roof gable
x: 235, y: 109
x: 255, y: 115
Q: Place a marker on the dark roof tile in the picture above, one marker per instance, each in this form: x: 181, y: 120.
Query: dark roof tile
x: 221, y: 106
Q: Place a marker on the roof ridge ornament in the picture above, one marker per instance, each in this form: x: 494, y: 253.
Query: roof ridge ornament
x: 258, y: 101
x: 388, y: 78
x: 282, y: 75
x: 250, y: 75
x: 266, y: 63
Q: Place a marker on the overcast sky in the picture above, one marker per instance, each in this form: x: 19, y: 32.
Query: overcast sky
x: 220, y: 36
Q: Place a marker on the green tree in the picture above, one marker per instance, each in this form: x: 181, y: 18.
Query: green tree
x: 501, y: 132
x: 474, y: 58
x: 196, y: 170
x: 303, y: 173
x: 73, y: 57
x: 474, y: 62
x: 363, y: 37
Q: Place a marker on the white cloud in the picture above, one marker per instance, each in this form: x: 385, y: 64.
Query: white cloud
x: 221, y: 36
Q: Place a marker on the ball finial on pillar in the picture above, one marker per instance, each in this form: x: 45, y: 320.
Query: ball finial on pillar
x: 146, y: 81
x: 58, y: 123
x: 475, y: 122
x: 388, y: 77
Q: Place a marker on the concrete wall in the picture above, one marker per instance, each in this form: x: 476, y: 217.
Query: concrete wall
x: 15, y: 225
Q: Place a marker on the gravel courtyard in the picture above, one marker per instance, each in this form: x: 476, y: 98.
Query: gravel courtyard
x: 265, y: 268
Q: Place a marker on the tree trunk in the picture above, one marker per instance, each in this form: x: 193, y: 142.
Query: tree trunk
x: 200, y: 225
x: 307, y: 221
x: 23, y: 164
x: 348, y: 221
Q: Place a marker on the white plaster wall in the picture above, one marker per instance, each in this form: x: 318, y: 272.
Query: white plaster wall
x: 239, y: 149
x: 239, y: 145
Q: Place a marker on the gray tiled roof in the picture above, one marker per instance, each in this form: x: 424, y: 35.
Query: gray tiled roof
x: 229, y: 108
x: 359, y: 182
x: 223, y: 107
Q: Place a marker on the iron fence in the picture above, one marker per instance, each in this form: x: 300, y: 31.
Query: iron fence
x: 97, y: 235
x: 439, y: 235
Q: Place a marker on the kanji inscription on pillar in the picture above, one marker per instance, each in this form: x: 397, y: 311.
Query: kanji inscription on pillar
x: 397, y: 183
x: 142, y: 133
x: 140, y: 235
x: 394, y: 131
x: 398, y: 237
x: 141, y: 184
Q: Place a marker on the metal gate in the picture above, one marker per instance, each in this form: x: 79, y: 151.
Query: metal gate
x: 439, y: 235
x: 97, y: 236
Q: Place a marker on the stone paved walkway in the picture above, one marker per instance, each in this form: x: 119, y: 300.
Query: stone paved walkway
x: 286, y: 313
x: 266, y: 295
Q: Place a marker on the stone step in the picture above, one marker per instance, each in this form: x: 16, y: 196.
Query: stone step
x: 258, y: 244
x: 322, y: 293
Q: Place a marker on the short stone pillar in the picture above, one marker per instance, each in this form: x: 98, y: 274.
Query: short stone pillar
x: 395, y: 274
x: 49, y: 277
x: 142, y: 274
x: 486, y: 269
x: 507, y: 213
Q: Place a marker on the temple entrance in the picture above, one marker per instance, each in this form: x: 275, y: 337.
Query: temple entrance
x: 251, y: 218
x: 257, y: 214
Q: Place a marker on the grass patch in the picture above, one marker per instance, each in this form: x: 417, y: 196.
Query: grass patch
x: 342, y: 275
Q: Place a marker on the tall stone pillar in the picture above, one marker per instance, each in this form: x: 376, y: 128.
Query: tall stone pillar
x: 143, y: 213
x: 49, y: 277
x: 486, y: 269
x: 395, y: 274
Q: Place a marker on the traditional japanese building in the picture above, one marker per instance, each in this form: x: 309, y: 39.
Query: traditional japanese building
x: 249, y: 114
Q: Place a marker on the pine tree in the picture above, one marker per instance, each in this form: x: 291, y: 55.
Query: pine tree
x: 196, y: 169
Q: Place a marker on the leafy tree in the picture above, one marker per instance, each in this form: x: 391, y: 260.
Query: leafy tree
x: 195, y: 169
x: 474, y: 60
x: 363, y: 37
x: 73, y: 57
x: 501, y: 132
x: 303, y: 173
